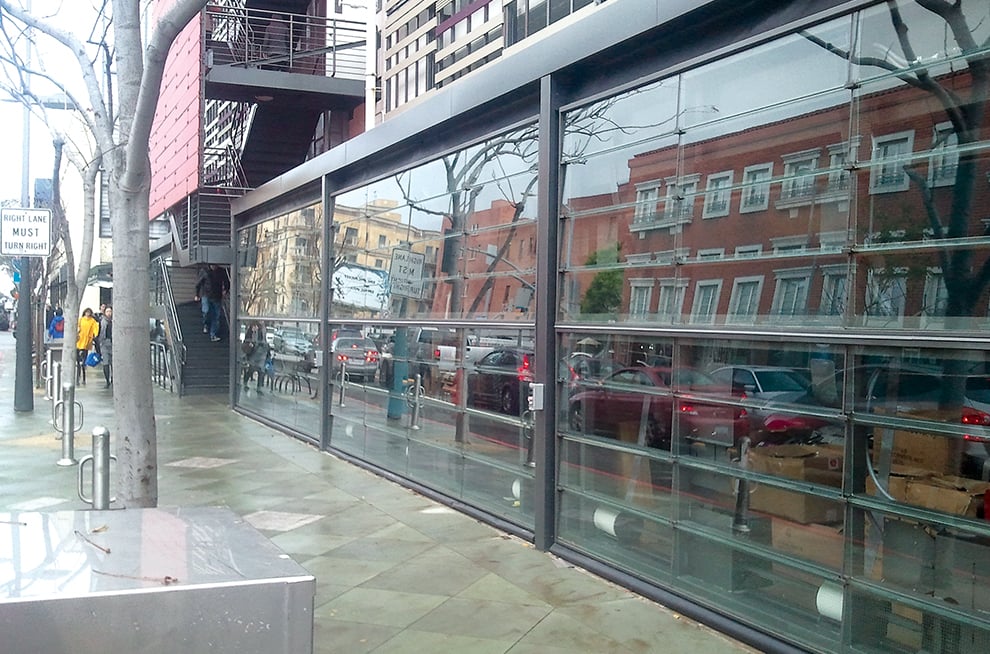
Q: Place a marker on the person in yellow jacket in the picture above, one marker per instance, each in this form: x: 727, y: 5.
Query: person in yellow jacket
x: 88, y: 330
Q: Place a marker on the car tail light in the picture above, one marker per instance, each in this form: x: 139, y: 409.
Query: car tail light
x: 371, y: 356
x: 976, y: 418
x: 342, y: 357
x: 524, y: 372
x: 688, y: 409
x: 436, y: 354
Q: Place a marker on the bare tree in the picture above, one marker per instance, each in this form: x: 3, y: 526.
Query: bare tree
x: 121, y: 127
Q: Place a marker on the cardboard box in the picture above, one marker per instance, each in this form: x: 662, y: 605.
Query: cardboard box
x: 946, y: 493
x: 811, y: 463
x: 812, y: 542
x: 922, y: 449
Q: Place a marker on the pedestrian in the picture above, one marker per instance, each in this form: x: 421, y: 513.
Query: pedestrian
x: 212, y: 287
x: 89, y: 328
x: 204, y: 303
x: 256, y: 351
x: 277, y: 41
x: 104, y: 343
x: 56, y: 328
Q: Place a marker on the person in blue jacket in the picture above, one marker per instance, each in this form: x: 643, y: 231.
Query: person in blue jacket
x: 56, y: 328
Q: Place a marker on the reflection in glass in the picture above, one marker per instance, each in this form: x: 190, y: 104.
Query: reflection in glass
x: 279, y: 265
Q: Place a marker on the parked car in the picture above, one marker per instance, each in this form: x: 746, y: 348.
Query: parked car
x: 773, y: 383
x: 358, y: 356
x: 292, y: 341
x: 500, y: 380
x: 631, y: 394
x: 4, y: 320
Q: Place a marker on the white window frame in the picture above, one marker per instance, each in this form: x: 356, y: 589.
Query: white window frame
x: 748, y: 251
x: 936, y: 295
x: 640, y: 297
x: 679, y: 203
x: 670, y: 298
x: 748, y: 313
x: 887, y: 169
x: 839, y: 157
x: 756, y: 188
x: 944, y: 159
x: 647, y: 201
x: 835, y: 283
x: 704, y: 307
x: 800, y: 172
x: 783, y: 306
x: 710, y: 254
x: 718, y: 194
x: 889, y: 299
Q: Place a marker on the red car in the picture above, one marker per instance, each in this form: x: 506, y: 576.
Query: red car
x: 628, y: 396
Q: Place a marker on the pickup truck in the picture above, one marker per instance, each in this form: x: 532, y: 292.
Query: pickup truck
x: 433, y: 353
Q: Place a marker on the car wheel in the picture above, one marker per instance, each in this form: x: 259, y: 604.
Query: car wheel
x: 576, y: 418
x: 508, y: 402
x: 656, y: 435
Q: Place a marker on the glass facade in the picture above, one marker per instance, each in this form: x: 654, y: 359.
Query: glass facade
x: 770, y: 389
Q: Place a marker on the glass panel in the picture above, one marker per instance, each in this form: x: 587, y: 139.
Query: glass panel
x: 279, y: 265
x: 278, y: 372
x: 425, y: 242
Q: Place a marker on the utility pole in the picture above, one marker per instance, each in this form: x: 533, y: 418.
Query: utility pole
x: 23, y: 385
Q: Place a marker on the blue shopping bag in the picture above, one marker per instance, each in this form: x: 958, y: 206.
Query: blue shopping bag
x: 93, y: 359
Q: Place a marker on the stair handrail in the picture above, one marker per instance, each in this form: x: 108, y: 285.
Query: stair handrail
x: 177, y: 349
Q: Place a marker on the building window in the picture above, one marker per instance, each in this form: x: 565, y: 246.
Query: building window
x: 379, y: 263
x: 833, y: 292
x: 839, y: 156
x: 744, y: 303
x: 936, y: 296
x: 756, y: 188
x: 891, y: 153
x: 671, y: 299
x: 382, y: 241
x: 706, y: 301
x: 640, y: 294
x: 350, y: 236
x: 945, y: 156
x: 679, y: 206
x: 711, y: 254
x: 746, y: 251
x: 790, y: 298
x: 886, y: 290
x: 717, y: 193
x: 799, y: 176
x: 646, y: 202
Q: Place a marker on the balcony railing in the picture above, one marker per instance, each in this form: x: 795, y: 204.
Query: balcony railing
x: 296, y: 43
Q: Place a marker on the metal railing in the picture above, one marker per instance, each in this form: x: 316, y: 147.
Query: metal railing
x: 296, y: 43
x: 167, y: 353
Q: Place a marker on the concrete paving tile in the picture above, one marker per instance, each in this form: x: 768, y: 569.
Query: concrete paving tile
x: 493, y: 587
x: 279, y: 520
x: 384, y: 607
x: 374, y: 548
x: 559, y: 630
x: 429, y: 576
x: 346, y: 572
x: 332, y: 636
x: 482, y: 619
x: 410, y: 641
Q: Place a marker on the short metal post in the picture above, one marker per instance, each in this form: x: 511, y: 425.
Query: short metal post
x: 343, y: 376
x: 56, y: 386
x: 101, y: 471
x: 740, y: 519
x: 417, y: 401
x: 67, y: 427
x: 46, y: 373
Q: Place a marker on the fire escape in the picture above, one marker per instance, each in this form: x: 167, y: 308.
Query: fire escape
x: 272, y: 78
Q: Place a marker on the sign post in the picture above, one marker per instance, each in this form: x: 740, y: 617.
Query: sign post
x: 24, y: 233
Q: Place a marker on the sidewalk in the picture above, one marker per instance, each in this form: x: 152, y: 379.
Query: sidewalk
x: 395, y: 572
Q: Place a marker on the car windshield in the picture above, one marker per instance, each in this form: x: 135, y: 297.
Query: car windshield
x: 781, y: 380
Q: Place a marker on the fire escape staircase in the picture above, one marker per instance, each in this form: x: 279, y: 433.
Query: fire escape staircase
x: 270, y: 75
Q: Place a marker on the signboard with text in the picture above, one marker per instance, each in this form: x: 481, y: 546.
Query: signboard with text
x: 406, y: 274
x: 25, y: 232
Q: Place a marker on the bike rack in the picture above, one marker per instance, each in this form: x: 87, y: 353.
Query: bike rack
x: 55, y: 387
x: 100, y: 458
x: 67, y: 428
x: 414, y: 399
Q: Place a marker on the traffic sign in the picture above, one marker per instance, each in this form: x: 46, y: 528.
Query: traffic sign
x: 25, y: 232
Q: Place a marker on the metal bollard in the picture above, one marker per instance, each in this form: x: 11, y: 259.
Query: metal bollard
x: 67, y: 428
x: 101, y: 471
x: 46, y: 374
x: 740, y: 518
x: 343, y: 376
x: 56, y: 387
x: 417, y: 402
